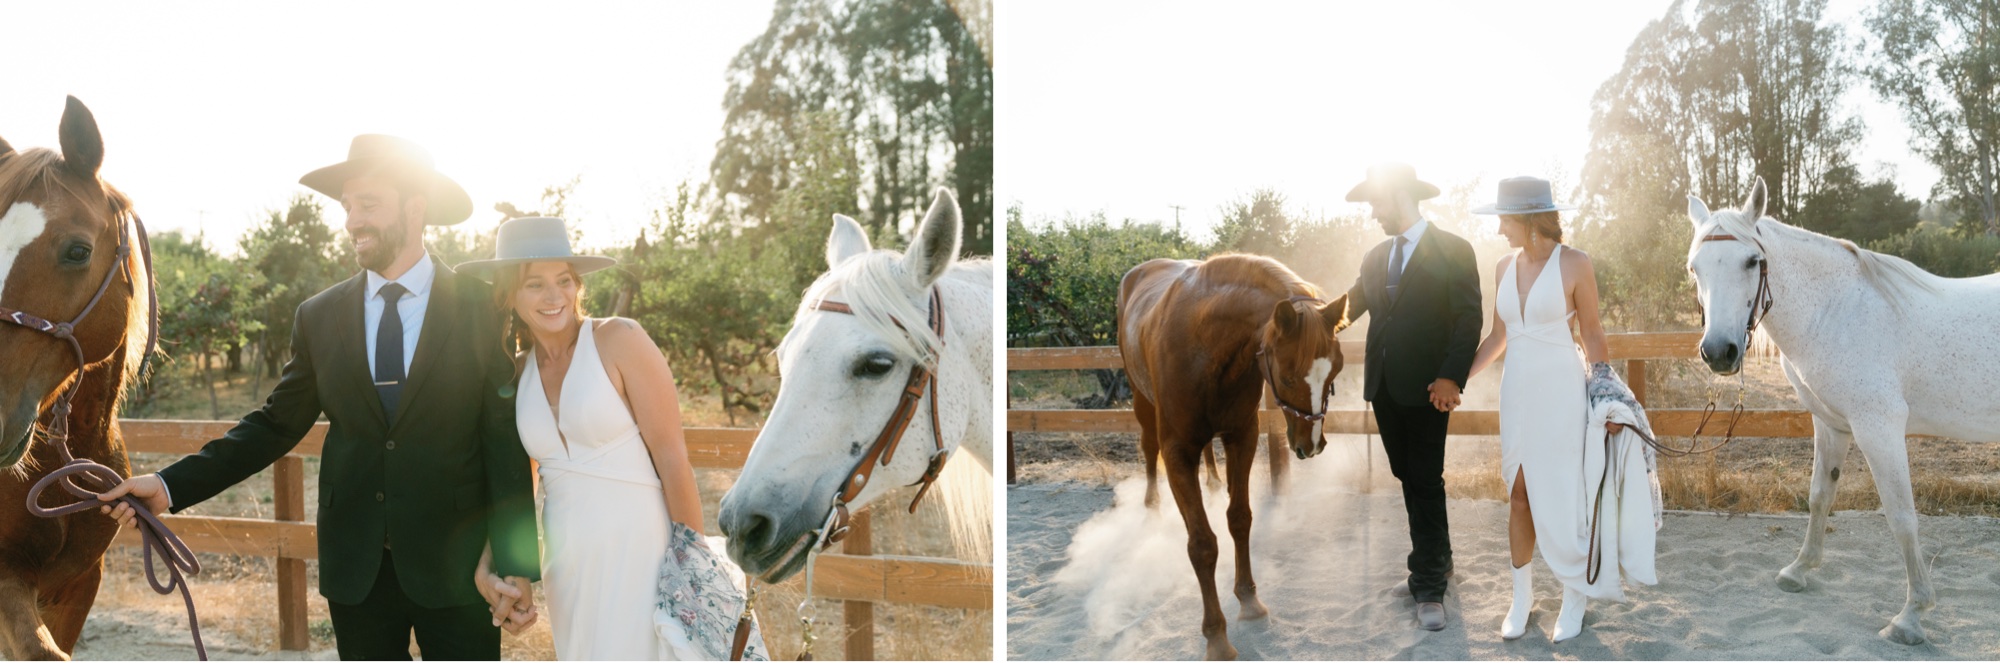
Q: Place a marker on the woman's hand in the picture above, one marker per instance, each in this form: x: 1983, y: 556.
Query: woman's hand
x: 511, y: 599
x: 1613, y: 428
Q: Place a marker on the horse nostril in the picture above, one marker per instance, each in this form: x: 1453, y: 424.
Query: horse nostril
x: 756, y: 530
x: 1729, y: 353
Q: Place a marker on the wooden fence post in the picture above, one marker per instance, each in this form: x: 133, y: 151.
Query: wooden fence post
x: 860, y: 615
x: 1635, y: 377
x: 289, y: 488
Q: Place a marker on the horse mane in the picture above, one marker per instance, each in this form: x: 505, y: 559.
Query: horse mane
x: 873, y: 285
x: 1258, y: 271
x: 40, y: 170
x: 1896, y: 279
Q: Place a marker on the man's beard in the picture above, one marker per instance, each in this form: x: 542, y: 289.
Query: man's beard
x: 388, y: 245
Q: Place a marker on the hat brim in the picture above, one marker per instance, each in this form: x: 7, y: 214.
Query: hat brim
x: 483, y: 269
x: 1494, y: 209
x: 1419, y: 190
x: 448, y: 203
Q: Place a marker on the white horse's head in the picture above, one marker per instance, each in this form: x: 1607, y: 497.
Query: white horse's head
x: 1727, y: 275
x: 843, y: 376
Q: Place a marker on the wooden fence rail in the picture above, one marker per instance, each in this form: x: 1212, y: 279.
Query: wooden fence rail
x: 857, y: 577
x: 1635, y: 349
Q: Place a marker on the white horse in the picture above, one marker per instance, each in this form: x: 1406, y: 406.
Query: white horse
x: 1876, y: 348
x: 842, y: 377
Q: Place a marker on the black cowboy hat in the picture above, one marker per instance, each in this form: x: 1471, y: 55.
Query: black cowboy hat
x: 1392, y: 176
x: 448, y: 202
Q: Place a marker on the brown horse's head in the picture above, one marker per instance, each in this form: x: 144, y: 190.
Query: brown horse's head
x: 1300, y: 358
x: 59, y: 238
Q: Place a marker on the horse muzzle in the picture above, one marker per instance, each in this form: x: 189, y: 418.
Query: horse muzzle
x: 770, y: 546
x: 17, y: 432
x: 1722, y: 357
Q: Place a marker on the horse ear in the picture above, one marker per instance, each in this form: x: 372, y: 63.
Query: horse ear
x: 82, y: 146
x: 1286, y: 316
x: 846, y: 241
x: 5, y: 149
x: 1697, y: 211
x: 936, y: 243
x: 1754, y: 203
x: 1335, y: 314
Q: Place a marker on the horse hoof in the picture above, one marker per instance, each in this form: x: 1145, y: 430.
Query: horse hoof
x: 1252, y: 609
x: 1792, y: 581
x: 1912, y: 634
x: 1219, y: 649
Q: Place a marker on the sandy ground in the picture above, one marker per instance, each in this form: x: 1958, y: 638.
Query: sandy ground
x: 1093, y: 575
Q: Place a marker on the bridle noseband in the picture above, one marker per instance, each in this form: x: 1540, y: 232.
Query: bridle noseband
x: 1271, y: 378
x: 155, y: 534
x: 921, y: 379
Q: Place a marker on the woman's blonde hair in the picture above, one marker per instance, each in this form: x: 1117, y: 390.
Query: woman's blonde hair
x: 1547, y: 224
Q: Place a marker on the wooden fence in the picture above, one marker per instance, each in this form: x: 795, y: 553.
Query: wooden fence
x: 857, y: 577
x: 1635, y: 349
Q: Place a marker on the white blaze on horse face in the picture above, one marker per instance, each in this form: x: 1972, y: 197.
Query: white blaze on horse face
x: 1322, y: 370
x: 23, y: 223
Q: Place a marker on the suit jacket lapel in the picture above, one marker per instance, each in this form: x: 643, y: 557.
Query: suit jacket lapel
x: 440, y: 318
x: 351, y: 357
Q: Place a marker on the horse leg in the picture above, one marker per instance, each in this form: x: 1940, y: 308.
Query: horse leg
x: 1149, y: 445
x: 1184, y: 479
x: 1280, y: 455
x: 70, y: 605
x: 1240, y: 447
x: 21, y: 628
x: 1889, y: 461
x: 1829, y: 449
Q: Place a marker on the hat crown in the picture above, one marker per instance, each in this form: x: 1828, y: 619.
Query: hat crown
x: 1525, y: 193
x: 533, y: 237
x: 386, y: 147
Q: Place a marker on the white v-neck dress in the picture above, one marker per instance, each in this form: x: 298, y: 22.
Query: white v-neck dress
x: 604, y: 517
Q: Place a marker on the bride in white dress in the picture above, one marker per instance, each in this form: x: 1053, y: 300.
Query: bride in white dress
x: 615, y: 478
x: 1544, y: 413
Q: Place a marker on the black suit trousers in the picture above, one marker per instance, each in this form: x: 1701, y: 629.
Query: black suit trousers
x: 379, y: 628
x: 1413, y: 437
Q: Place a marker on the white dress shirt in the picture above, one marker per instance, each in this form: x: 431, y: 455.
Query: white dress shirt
x: 1410, y: 238
x: 417, y: 282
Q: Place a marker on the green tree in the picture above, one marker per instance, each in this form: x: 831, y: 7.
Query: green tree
x: 298, y: 255
x: 206, y: 304
x: 1859, y: 211
x: 1939, y: 60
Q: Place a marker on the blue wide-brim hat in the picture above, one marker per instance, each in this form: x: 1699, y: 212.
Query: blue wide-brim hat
x: 1523, y: 195
x: 533, y: 239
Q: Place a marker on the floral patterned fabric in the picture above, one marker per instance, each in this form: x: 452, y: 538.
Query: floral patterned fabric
x: 700, y: 601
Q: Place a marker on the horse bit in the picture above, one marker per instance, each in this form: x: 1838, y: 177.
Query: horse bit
x: 155, y: 533
x: 1271, y: 378
x: 835, y: 528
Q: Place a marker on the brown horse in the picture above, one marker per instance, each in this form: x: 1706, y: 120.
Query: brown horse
x: 1200, y: 341
x: 59, y: 237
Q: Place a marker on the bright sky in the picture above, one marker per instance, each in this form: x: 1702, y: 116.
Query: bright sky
x: 211, y: 112
x: 1131, y: 107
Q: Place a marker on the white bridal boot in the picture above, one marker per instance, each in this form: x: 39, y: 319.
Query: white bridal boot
x: 1516, y: 623
x: 1570, y: 621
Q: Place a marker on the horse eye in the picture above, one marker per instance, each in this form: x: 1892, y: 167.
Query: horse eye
x: 1751, y: 263
x: 874, y: 366
x: 77, y: 254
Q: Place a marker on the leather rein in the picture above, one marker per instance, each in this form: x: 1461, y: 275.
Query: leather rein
x: 1271, y: 378
x: 155, y: 534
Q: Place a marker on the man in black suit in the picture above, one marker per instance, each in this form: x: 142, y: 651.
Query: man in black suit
x: 422, y: 467
x: 1423, y: 286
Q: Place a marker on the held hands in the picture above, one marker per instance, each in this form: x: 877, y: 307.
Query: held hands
x: 148, y: 488
x: 1444, y: 395
x: 511, y: 597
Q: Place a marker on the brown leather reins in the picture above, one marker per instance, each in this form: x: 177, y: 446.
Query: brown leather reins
x: 155, y: 534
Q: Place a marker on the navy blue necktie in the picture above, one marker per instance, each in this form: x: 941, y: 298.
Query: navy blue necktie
x: 1396, y: 266
x: 389, y: 350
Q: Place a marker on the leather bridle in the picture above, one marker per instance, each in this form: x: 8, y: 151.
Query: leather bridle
x: 1760, y: 303
x: 157, y: 537
x: 1760, y: 306
x: 922, y: 379
x: 1271, y: 379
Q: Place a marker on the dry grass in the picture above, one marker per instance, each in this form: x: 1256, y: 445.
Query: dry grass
x: 236, y: 595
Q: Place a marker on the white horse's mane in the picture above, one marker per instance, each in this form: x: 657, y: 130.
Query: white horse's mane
x: 1895, y: 278
x: 874, y: 284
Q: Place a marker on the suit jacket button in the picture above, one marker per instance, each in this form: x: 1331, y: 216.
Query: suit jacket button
x: 378, y: 496
x: 392, y: 445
